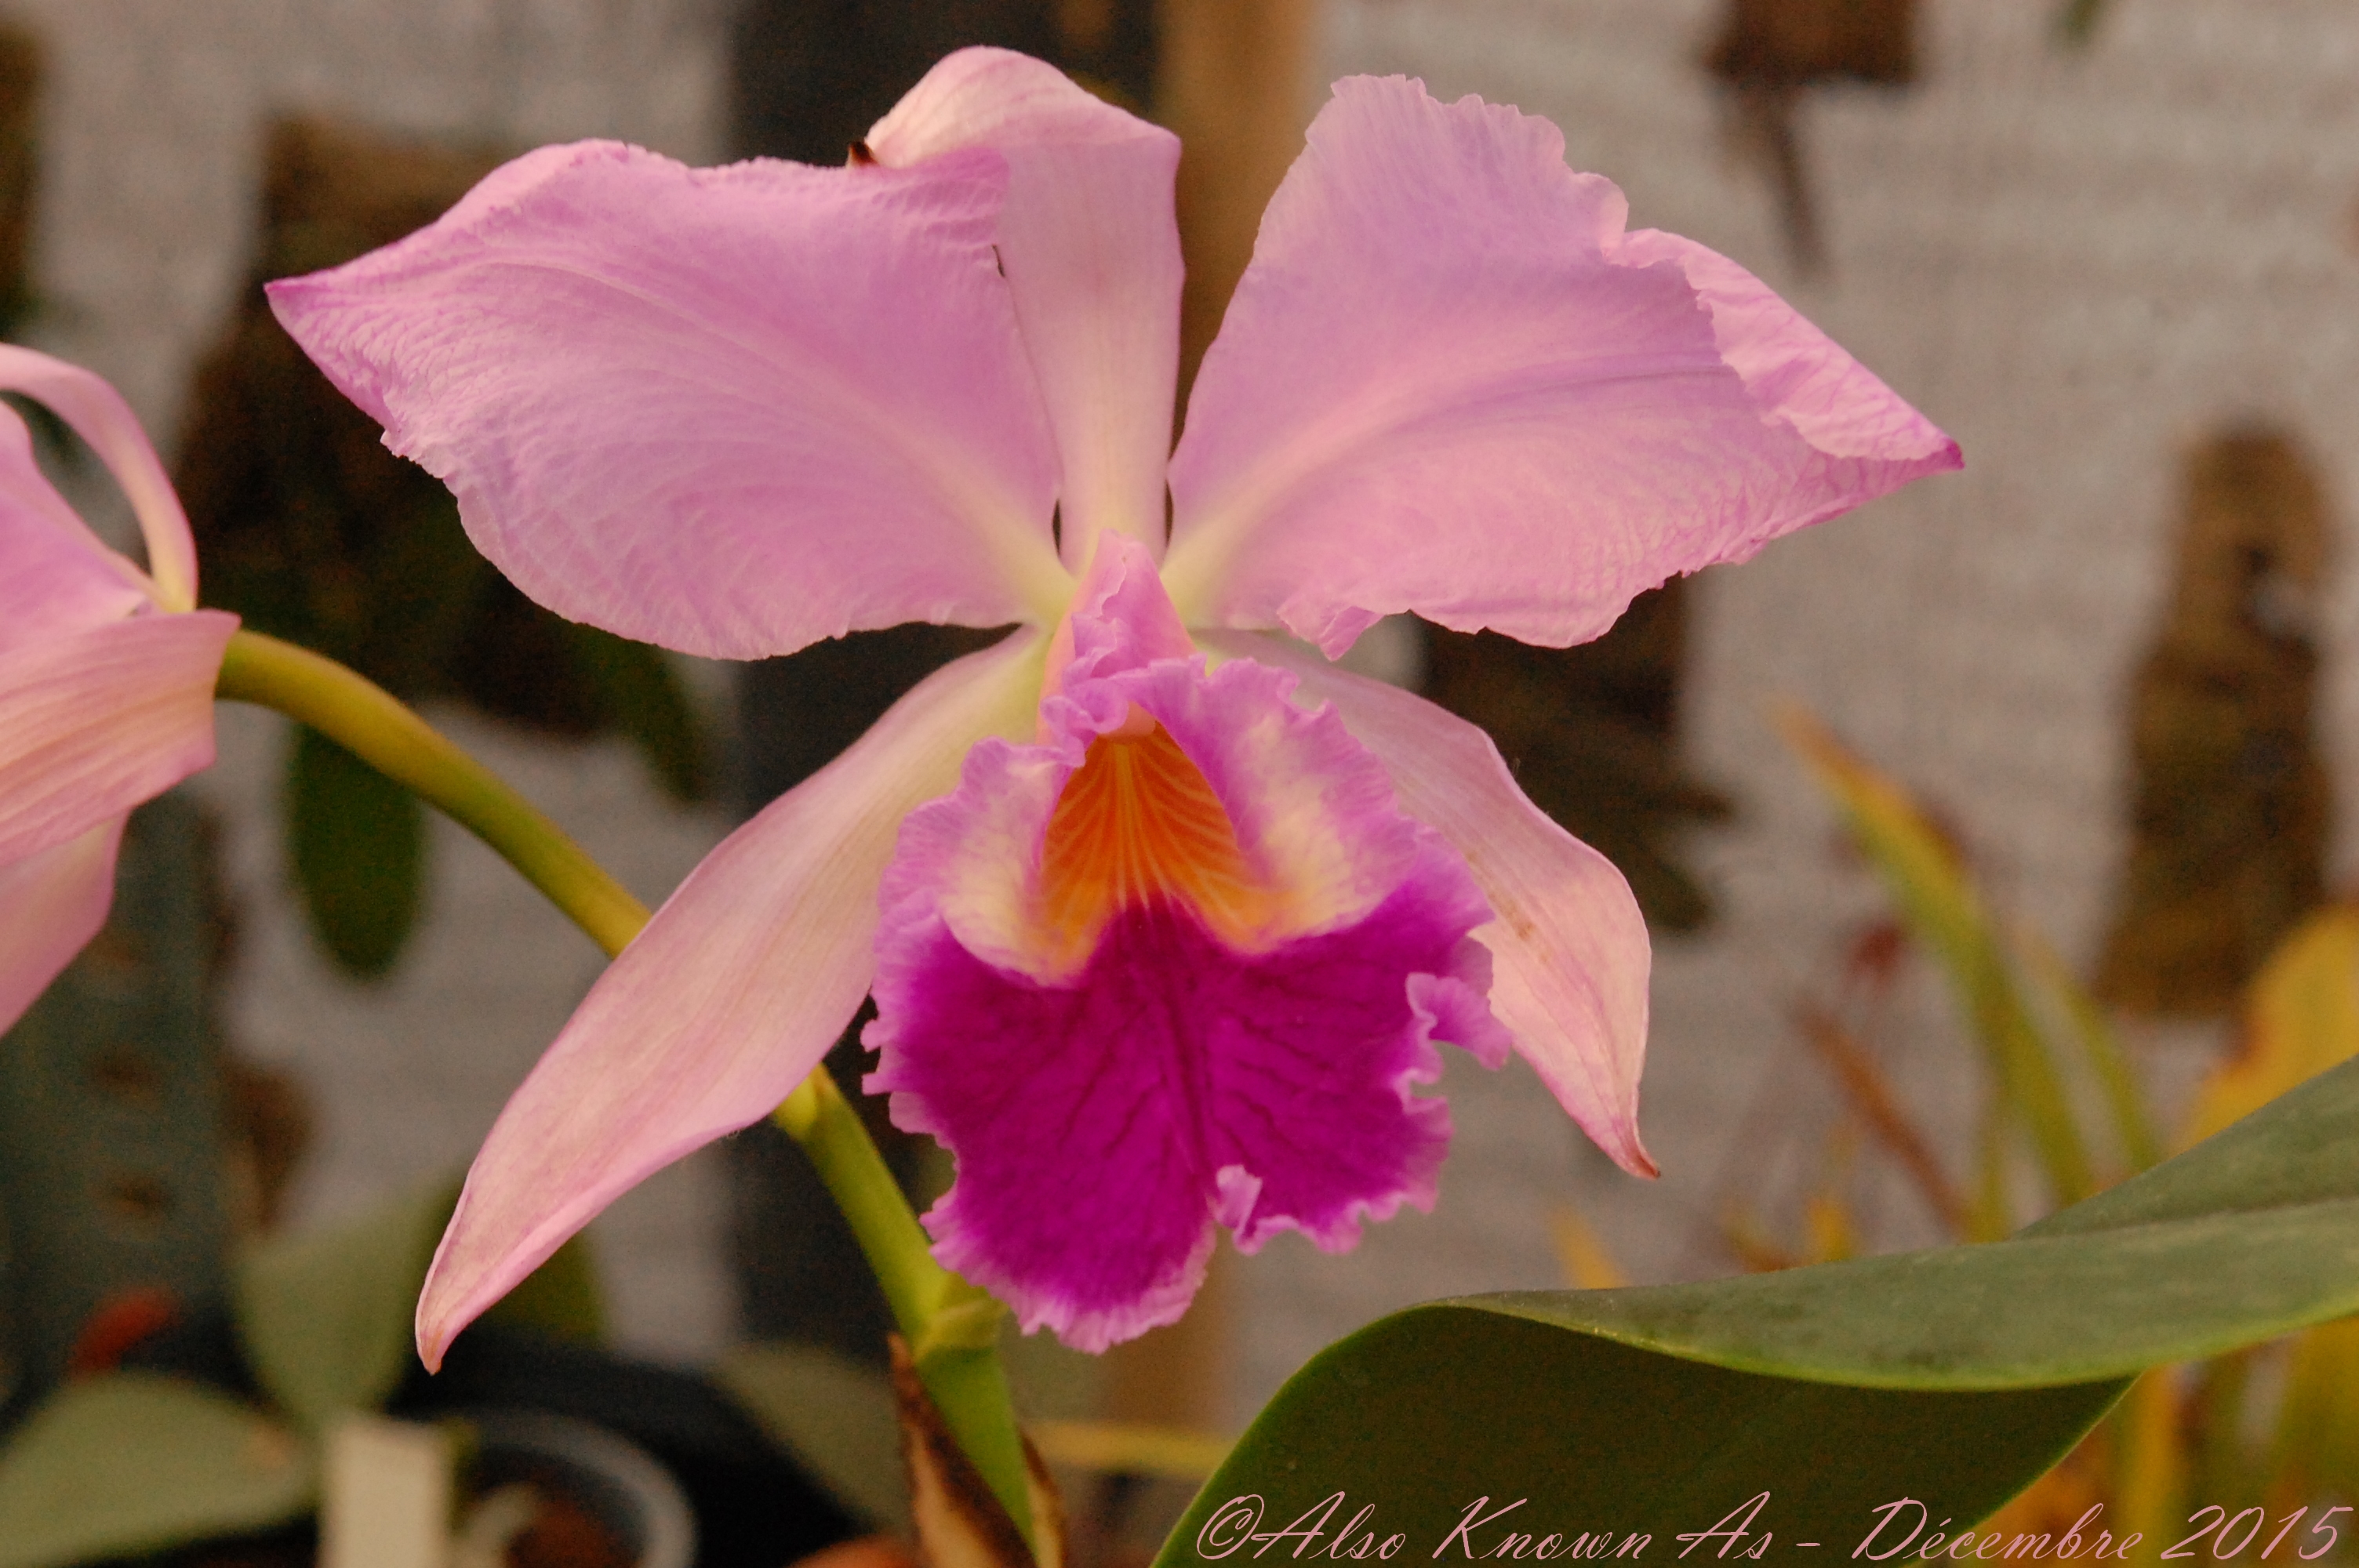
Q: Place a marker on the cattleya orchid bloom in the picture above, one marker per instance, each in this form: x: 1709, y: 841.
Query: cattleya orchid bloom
x: 1163, y: 914
x: 107, y: 674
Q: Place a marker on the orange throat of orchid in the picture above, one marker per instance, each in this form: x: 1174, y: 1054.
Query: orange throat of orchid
x: 1138, y: 827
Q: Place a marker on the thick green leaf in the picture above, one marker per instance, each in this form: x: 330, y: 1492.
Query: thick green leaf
x: 1424, y: 1413
x: 2015, y: 1313
x: 130, y: 1463
x: 325, y: 1317
x: 357, y: 842
x: 1954, y: 1376
x: 2299, y: 1149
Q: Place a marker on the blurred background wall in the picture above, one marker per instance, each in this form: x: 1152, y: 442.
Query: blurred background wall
x: 2081, y: 263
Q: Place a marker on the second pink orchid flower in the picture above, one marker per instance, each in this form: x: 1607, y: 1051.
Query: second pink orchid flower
x: 107, y: 674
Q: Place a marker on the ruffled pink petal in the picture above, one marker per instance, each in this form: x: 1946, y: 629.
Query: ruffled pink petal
x: 1092, y: 249
x: 1451, y: 382
x: 732, y: 411
x: 51, y: 904
x: 732, y: 993
x: 100, y: 416
x: 95, y: 721
x: 1569, y: 947
x: 55, y: 576
x: 1253, y: 1065
x: 1864, y: 441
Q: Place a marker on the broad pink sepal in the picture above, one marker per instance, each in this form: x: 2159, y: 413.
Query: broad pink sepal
x: 107, y: 674
x: 732, y: 411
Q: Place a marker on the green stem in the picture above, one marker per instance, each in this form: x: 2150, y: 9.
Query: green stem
x: 373, y: 725
x: 951, y: 1327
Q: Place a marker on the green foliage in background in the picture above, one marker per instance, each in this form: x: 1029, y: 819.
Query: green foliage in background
x: 1955, y: 1377
x: 357, y: 842
x: 2189, y: 1436
x: 130, y: 1461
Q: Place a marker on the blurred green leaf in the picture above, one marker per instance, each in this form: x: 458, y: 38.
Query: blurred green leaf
x: 2076, y: 21
x: 834, y: 1414
x: 357, y: 842
x: 1955, y: 1377
x: 562, y: 1298
x: 326, y: 1317
x: 1130, y: 1448
x: 2317, y: 1429
x: 1944, y: 911
x: 2141, y: 1145
x: 130, y: 1462
x: 2150, y: 1464
x: 637, y: 693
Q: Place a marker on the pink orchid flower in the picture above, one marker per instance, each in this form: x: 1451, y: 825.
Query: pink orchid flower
x: 1162, y: 913
x: 107, y: 674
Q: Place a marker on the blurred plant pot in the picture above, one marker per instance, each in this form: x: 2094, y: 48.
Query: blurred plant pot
x: 611, y: 1480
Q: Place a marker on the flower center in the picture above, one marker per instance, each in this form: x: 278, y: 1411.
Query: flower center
x: 1137, y: 828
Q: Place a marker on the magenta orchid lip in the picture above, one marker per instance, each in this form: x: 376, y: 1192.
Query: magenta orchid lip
x: 1239, y: 1037
x: 734, y: 411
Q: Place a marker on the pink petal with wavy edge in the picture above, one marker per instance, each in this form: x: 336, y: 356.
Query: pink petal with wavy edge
x: 1092, y: 250
x: 732, y: 411
x: 1449, y: 383
x: 1191, y: 1067
x: 100, y: 416
x: 51, y: 904
x: 1864, y: 441
x: 95, y: 721
x: 58, y: 578
x: 1569, y: 947
x: 732, y: 993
